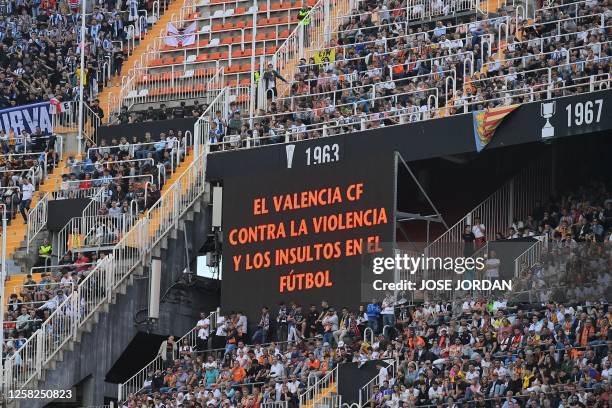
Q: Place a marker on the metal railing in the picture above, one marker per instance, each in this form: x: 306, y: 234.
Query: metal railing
x: 321, y: 388
x: 135, y: 383
x: 37, y: 219
x: 176, y: 147
x: 101, y: 283
x: 92, y: 232
x: 403, y: 116
x: 97, y: 202
x: 426, y: 9
x: 530, y: 257
x: 4, y: 225
x: 366, y: 392
x: 74, y: 190
x: 275, y: 404
x: 204, y: 129
x: 305, y: 41
x: 143, y: 86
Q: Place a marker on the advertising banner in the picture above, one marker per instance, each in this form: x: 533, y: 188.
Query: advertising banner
x: 28, y: 117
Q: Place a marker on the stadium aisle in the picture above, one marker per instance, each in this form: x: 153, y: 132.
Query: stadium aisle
x: 141, y: 48
x: 17, y: 230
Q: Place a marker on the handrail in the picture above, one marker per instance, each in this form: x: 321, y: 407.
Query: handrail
x: 174, y: 143
x: 76, y: 234
x: 429, y: 114
x: 47, y: 268
x: 291, y: 82
x: 134, y: 384
x: 97, y: 201
x: 365, y: 392
x: 106, y: 163
x: 529, y: 257
x: 105, y: 278
x: 318, y: 32
x: 316, y: 391
x: 3, y: 273
x: 360, y: 102
x: 37, y: 219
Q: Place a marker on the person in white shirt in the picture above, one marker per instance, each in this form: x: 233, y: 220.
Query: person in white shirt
x: 383, y: 374
x: 388, y: 310
x: 203, y: 332
x: 479, y: 231
x: 241, y: 325
x: 27, y: 192
x: 435, y: 392
x: 293, y: 384
x: 277, y: 369
x: 492, y: 266
x: 221, y: 332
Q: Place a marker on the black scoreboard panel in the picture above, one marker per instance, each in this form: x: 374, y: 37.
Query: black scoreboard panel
x: 263, y: 266
x: 298, y: 232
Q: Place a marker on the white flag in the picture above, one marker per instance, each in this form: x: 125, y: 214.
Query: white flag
x: 189, y: 36
x: 172, y: 36
x: 183, y: 38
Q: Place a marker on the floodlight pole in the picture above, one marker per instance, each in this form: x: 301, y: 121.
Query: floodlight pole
x: 81, y: 78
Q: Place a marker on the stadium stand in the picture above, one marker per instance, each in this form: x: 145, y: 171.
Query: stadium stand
x: 377, y: 65
x: 29, y: 166
x: 478, y: 350
x: 40, y: 62
x: 381, y: 70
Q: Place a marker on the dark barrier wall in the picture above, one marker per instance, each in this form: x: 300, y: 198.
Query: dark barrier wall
x: 109, y: 133
x: 351, y: 378
x: 507, y: 251
x: 249, y: 174
x: 59, y: 212
x: 575, y: 115
x: 299, y: 233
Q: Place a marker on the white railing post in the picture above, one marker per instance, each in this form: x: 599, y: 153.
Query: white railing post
x: 74, y: 309
x: 39, y: 352
x: 108, y: 273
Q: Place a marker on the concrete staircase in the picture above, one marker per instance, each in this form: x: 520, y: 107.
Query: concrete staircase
x: 17, y: 231
x: 325, y: 399
x: 104, y: 336
x: 94, y: 298
x: 109, y: 97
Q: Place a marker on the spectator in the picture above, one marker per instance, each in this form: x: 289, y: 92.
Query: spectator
x: 373, y: 312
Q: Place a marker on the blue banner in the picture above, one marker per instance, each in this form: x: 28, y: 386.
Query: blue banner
x: 27, y: 117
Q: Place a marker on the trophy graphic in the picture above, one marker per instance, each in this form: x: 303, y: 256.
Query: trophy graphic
x: 290, y: 149
x: 548, y: 111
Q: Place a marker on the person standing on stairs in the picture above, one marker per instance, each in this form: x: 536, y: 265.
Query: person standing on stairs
x: 44, y: 254
x: 27, y: 192
x: 303, y: 17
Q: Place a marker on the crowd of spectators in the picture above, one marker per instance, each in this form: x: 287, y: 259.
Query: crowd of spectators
x: 40, y: 47
x: 163, y: 112
x: 551, y: 350
x: 576, y: 217
x: 576, y: 262
x: 41, y: 293
x: 482, y: 353
x: 380, y: 72
x: 24, y: 161
x: 127, y: 170
x: 123, y: 178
